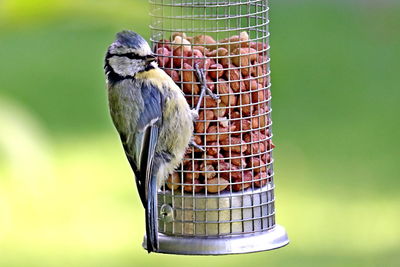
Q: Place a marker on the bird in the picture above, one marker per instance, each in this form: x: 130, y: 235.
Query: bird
x: 152, y: 117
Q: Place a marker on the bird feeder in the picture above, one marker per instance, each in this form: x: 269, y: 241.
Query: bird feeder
x: 221, y: 199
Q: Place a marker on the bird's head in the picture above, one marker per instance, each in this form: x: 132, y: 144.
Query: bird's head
x: 129, y: 54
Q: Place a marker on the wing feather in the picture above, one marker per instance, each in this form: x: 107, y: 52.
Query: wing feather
x: 152, y: 112
x: 140, y: 147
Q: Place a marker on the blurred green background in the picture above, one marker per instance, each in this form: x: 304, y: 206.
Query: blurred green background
x: 67, y: 196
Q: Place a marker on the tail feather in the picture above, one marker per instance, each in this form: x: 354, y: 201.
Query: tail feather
x: 152, y: 216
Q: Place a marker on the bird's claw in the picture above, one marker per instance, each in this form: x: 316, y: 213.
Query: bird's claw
x: 210, y: 93
x: 195, y: 114
x: 203, y: 85
x: 194, y: 145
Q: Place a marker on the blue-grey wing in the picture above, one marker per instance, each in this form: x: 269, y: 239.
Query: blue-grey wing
x: 140, y: 147
x: 153, y: 105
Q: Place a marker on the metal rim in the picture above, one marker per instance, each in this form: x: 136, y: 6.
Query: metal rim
x: 241, y: 244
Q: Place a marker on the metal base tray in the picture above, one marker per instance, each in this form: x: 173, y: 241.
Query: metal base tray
x: 238, y: 244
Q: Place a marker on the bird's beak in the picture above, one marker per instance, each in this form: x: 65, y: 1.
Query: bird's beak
x: 151, y: 58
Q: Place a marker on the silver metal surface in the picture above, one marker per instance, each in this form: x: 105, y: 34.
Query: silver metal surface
x: 226, y: 214
x: 224, y: 194
x: 245, y: 243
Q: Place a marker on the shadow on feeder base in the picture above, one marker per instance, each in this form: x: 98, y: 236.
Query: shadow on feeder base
x: 238, y: 244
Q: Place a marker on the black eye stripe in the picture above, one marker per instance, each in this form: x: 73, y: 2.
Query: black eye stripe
x: 128, y: 55
x: 131, y: 56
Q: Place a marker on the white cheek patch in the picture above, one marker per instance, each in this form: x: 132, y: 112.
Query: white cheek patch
x: 125, y: 66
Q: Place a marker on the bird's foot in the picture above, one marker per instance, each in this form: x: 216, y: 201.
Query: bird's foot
x: 203, y: 85
x: 210, y: 93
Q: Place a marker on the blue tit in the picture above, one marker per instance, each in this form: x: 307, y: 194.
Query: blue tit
x: 152, y: 117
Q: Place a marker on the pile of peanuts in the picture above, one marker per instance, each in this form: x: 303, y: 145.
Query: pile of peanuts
x: 233, y: 130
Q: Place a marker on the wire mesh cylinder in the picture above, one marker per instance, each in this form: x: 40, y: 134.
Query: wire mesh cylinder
x: 227, y: 190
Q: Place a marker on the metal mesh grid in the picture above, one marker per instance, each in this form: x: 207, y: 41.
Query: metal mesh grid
x: 227, y: 189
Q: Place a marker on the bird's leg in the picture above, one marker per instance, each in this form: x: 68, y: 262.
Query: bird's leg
x: 203, y: 87
x: 201, y: 77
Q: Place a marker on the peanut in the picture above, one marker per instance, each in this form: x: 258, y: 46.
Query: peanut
x: 205, y: 63
x: 212, y: 149
x: 173, y: 181
x: 224, y: 166
x: 223, y: 121
x: 164, y: 43
x: 257, y: 96
x: 257, y: 162
x: 257, y: 71
x: 244, y: 37
x: 180, y: 42
x: 235, y: 41
x: 225, y: 61
x: 229, y: 171
x: 241, y: 125
x: 267, y: 158
x: 235, y: 115
x: 270, y: 145
x: 261, y: 179
x: 254, y: 146
x: 178, y: 58
x: 247, y: 53
x: 208, y: 171
x: 194, y: 57
x: 268, y: 94
x: 213, y: 160
x: 201, y: 126
x: 266, y: 132
x: 264, y: 60
x: 260, y: 119
x: 163, y: 55
x: 238, y: 72
x: 202, y: 49
x: 216, y: 185
x: 237, y: 159
x: 244, y: 101
x: 255, y: 136
x: 188, y: 76
x: 192, y: 171
x: 220, y: 52
x: 207, y: 100
x: 260, y: 47
x: 232, y: 75
x: 180, y: 34
x: 204, y: 40
x: 239, y: 147
x: 187, y: 157
x: 193, y: 185
x: 220, y: 111
x: 215, y: 133
x: 173, y: 74
x: 242, y: 182
x: 244, y: 58
x: 250, y: 83
x: 216, y: 71
x: 210, y: 83
x: 226, y: 93
x: 197, y: 139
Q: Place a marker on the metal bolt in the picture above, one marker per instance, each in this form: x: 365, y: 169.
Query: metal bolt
x: 166, y: 213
